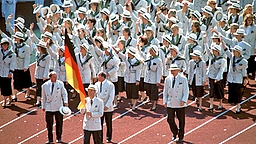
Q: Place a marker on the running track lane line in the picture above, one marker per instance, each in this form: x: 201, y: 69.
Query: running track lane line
x: 115, y: 118
x: 238, y: 133
x: 20, y: 116
x: 153, y: 124
x: 72, y: 116
x: 214, y: 118
x: 46, y: 129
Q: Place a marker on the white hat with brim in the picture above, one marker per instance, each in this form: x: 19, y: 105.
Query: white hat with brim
x: 240, y: 32
x: 148, y: 29
x: 235, y: 6
x: 41, y: 44
x: 37, y: 9
x: 174, y: 67
x: 215, y: 36
x: 19, y: 35
x: 94, y: 1
x: 81, y: 10
x: 132, y: 51
x: 67, y: 3
x: 154, y: 49
x: 4, y: 40
x: 196, y: 53
x: 105, y: 11
x: 146, y: 16
x: 173, y: 20
x: 175, y: 48
x: 100, y: 39
x: 47, y: 34
x: 168, y: 38
x: 55, y: 8
x: 91, y: 87
x: 106, y: 46
x: 197, y: 14
x: 238, y: 49
x: 126, y: 14
x: 66, y: 111
x: 19, y: 25
x: 192, y: 36
x: 216, y: 48
x: 85, y: 46
x: 113, y: 17
x: 142, y: 10
x: 208, y: 10
x: 62, y: 48
x: 20, y: 19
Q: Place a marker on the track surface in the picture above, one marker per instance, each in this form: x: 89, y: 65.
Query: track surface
x: 23, y: 123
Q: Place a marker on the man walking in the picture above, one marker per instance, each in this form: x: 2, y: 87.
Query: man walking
x: 54, y: 95
x: 175, y: 96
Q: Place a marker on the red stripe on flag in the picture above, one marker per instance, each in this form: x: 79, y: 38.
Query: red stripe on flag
x: 73, y: 72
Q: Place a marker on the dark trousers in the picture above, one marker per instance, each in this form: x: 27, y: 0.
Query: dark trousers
x: 108, y: 119
x: 49, y: 124
x: 95, y: 134
x: 180, y: 112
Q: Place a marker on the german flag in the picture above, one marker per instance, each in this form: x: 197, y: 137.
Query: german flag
x: 72, y: 71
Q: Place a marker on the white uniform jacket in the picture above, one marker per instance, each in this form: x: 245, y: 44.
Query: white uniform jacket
x: 198, y: 69
x: 172, y: 97
x: 86, y: 67
x: 93, y: 123
x: 92, y: 14
x: 189, y: 49
x: 22, y: 56
x: 121, y: 69
x: 60, y: 66
x: 110, y: 32
x: 180, y: 41
x: 144, y: 52
x: 107, y: 94
x: 178, y: 60
x: 140, y: 3
x: 216, y: 67
x: 133, y: 68
x: 52, y: 101
x: 237, y: 68
x: 42, y: 66
x: 251, y: 36
x: 7, y: 64
x: 153, y: 71
x: 163, y: 54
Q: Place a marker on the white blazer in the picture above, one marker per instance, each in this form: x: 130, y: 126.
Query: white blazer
x: 107, y: 94
x: 87, y: 69
x: 198, y: 70
x: 93, y: 123
x: 42, y: 67
x: 23, y: 57
x: 133, y: 69
x: 172, y: 97
x: 7, y: 64
x: 236, y: 71
x: 153, y: 71
x: 52, y: 102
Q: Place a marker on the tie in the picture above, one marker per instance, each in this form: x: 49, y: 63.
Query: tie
x: 173, y: 82
x: 101, y: 87
x: 91, y: 102
x: 52, y: 87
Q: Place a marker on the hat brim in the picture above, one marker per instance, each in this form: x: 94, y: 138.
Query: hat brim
x: 244, y: 34
x: 192, y: 54
x: 172, y: 69
x: 37, y: 9
x: 18, y: 37
x: 65, y: 114
x: 206, y: 11
x: 125, y: 16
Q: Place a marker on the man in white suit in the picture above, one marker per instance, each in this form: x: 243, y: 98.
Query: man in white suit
x: 106, y: 92
x: 54, y: 95
x: 93, y: 112
x: 175, y: 96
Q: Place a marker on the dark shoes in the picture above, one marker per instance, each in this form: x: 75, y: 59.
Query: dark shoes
x: 108, y: 141
x: 14, y: 100
x: 58, y: 141
x: 153, y: 109
x: 210, y: 109
x: 173, y: 137
x: 49, y: 142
